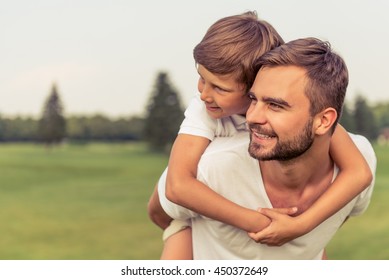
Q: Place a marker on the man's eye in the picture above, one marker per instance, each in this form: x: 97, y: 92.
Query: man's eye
x: 251, y: 96
x: 275, y: 106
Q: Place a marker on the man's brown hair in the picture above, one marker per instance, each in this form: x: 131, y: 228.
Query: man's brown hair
x: 327, y: 74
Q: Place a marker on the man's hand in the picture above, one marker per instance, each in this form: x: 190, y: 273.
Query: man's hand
x: 283, y: 228
x: 156, y: 212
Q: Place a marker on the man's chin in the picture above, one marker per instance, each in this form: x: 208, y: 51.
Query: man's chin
x: 257, y: 152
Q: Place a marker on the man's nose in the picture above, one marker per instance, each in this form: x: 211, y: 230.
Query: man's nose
x: 256, y: 113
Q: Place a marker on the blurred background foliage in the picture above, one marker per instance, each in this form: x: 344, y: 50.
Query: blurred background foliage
x: 160, y: 122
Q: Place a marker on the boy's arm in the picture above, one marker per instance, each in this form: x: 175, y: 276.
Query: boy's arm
x: 354, y: 176
x: 184, y: 189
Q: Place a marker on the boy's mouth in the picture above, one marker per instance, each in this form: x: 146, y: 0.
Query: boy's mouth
x: 212, y: 108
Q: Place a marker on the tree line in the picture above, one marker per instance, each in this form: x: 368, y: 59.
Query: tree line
x: 164, y: 114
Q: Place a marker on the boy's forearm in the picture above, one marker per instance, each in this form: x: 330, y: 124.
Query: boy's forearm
x: 336, y: 197
x: 354, y: 176
x: 201, y: 199
x: 350, y: 161
x: 183, y: 188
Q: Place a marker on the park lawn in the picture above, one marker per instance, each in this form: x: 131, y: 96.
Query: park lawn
x: 78, y: 202
x: 89, y: 202
x: 367, y: 236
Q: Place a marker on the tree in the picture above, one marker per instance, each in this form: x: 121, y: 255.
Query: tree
x: 164, y: 114
x: 347, y: 119
x: 77, y: 128
x: 381, y: 113
x: 52, y: 124
x: 365, y: 122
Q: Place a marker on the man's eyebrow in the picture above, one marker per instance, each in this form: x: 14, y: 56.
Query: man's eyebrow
x: 277, y: 101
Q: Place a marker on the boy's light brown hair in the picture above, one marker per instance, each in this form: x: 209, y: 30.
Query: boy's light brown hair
x: 232, y: 44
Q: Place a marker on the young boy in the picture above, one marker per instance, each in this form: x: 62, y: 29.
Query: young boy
x: 224, y: 59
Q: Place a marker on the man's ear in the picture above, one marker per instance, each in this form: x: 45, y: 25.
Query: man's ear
x: 324, y: 120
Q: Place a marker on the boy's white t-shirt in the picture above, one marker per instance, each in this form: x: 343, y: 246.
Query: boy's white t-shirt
x: 197, y: 122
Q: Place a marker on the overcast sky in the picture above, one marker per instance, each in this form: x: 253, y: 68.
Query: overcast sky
x: 104, y: 55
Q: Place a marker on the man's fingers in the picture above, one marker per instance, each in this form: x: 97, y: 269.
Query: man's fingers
x: 256, y: 236
x: 291, y: 210
x: 253, y: 236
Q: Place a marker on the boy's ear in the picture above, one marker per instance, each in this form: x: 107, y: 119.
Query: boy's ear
x: 324, y: 120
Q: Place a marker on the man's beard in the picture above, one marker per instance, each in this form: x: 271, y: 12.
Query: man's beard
x: 284, y: 150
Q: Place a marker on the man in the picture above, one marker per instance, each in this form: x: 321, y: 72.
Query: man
x: 297, y: 99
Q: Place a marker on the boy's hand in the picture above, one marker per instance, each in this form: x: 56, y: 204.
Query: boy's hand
x: 282, y: 228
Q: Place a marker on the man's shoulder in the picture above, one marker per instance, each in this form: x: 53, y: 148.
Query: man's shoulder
x: 237, y: 143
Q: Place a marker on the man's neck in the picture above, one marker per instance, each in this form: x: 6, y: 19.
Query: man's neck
x: 298, y: 182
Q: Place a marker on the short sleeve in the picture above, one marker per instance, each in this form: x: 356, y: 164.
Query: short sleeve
x: 175, y: 211
x: 197, y: 121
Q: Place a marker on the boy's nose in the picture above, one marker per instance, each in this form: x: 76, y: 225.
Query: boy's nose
x: 205, y: 95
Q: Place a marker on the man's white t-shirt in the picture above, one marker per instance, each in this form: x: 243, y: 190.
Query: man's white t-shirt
x: 227, y: 168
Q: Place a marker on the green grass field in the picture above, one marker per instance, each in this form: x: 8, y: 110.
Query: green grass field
x: 78, y: 202
x: 89, y: 202
x: 366, y: 237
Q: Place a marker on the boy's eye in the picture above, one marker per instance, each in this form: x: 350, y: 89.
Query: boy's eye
x: 222, y: 91
x: 219, y: 88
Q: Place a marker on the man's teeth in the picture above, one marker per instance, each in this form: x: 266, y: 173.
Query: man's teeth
x: 259, y: 135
